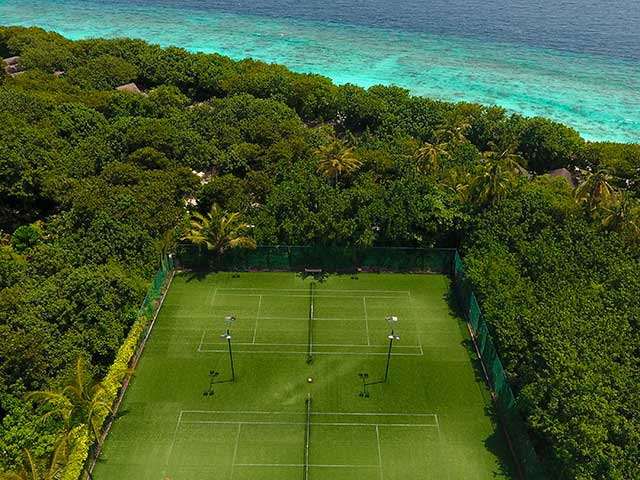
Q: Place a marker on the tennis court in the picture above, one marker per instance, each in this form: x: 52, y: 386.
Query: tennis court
x: 188, y: 416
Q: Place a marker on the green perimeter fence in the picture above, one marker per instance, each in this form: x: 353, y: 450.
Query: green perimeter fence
x: 329, y: 259
x: 506, y: 407
x: 150, y: 302
x: 392, y: 259
x: 128, y: 356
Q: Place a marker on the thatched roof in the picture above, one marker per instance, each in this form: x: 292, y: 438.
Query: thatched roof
x: 11, y: 61
x: 129, y: 88
x: 566, y: 174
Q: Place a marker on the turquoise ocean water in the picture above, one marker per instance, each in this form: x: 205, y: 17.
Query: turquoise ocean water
x: 590, y: 83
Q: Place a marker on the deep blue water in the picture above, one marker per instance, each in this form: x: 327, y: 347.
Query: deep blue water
x: 604, y: 27
x: 575, y: 61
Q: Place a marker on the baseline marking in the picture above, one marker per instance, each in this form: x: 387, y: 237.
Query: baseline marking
x: 321, y: 465
x: 359, y: 345
x: 397, y: 297
x: 300, y: 352
x: 317, y: 424
x: 408, y: 292
x: 350, y: 414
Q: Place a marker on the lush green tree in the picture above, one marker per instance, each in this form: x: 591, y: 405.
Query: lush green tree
x: 110, y: 176
x: 548, y: 145
x: 103, y: 73
x: 26, y: 236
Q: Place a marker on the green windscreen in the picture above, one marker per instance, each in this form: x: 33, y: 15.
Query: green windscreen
x: 508, y: 412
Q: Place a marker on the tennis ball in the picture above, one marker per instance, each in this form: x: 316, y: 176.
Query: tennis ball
x: 309, y: 379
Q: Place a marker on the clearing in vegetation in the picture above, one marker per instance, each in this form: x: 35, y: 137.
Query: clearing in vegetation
x: 300, y: 411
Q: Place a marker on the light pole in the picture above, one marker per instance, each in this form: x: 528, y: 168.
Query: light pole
x: 229, y: 319
x: 365, y: 376
x: 392, y: 336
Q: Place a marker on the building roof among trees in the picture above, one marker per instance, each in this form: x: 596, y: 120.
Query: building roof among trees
x: 129, y: 88
x: 566, y: 174
x: 11, y: 60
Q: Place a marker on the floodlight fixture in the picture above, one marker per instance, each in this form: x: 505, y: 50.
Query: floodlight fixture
x: 391, y: 319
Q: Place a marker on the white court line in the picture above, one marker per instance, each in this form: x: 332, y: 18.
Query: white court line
x: 213, y: 299
x: 408, y: 292
x: 255, y: 330
x: 379, y: 452
x: 235, y: 451
x: 316, y: 465
x: 346, y: 414
x: 346, y: 345
x: 437, y: 425
x: 202, y: 339
x: 307, y: 296
x: 295, y: 352
x: 366, y: 319
x: 175, y: 435
x: 323, y: 319
x: 316, y: 424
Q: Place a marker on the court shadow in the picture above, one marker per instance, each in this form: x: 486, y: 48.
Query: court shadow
x: 318, y: 276
x: 195, y: 275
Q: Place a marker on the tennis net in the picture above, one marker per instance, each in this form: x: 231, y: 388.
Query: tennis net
x: 310, y: 334
x: 307, y: 437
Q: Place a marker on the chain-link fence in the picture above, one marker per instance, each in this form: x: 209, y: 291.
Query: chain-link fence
x: 508, y: 413
x: 329, y: 259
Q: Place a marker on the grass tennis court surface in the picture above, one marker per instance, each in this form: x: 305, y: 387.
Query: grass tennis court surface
x: 430, y: 420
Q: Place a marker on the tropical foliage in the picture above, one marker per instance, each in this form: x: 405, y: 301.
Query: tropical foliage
x: 219, y: 231
x: 96, y: 185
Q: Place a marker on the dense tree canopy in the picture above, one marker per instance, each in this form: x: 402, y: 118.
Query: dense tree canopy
x: 96, y: 184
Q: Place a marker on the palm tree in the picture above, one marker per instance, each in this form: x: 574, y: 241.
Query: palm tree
x: 623, y: 216
x: 454, y: 131
x: 596, y: 191
x: 336, y: 158
x: 458, y: 181
x: 166, y: 243
x: 82, y: 400
x: 505, y: 152
x: 492, y: 184
x: 31, y: 471
x: 219, y: 230
x: 429, y: 156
